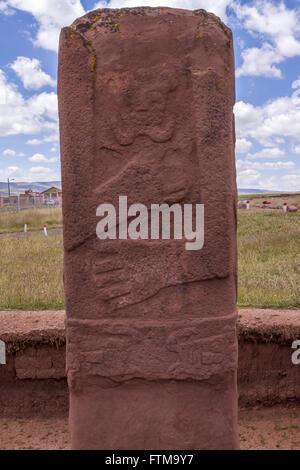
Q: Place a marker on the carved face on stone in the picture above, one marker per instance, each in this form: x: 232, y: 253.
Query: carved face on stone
x: 144, y: 108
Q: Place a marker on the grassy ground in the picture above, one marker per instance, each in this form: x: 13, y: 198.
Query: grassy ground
x: 31, y: 273
x: 35, y: 219
x: 269, y: 260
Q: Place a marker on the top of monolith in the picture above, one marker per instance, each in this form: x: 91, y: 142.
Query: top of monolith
x: 109, y: 18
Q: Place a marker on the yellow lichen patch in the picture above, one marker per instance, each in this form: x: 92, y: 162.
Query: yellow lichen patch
x: 89, y: 46
x: 94, y: 69
x: 201, y: 35
x: 117, y: 25
x: 180, y: 36
x: 92, y: 27
x: 94, y: 63
x: 164, y: 64
x: 95, y: 18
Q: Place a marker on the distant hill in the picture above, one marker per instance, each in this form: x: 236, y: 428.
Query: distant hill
x: 17, y: 188
x: 254, y: 191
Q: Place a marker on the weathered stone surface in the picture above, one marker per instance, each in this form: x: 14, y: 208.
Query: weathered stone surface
x: 145, y: 102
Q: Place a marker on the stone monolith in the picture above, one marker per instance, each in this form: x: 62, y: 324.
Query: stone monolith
x: 146, y: 101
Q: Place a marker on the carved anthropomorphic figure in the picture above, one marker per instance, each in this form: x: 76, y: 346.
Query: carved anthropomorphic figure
x: 146, y: 101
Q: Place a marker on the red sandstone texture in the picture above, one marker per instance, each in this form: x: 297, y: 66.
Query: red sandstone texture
x: 146, y: 101
x: 32, y: 383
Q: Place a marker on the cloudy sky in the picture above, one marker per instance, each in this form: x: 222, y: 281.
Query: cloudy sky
x: 267, y: 50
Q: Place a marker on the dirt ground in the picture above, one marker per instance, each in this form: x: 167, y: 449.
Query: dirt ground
x: 270, y: 428
x: 36, y: 433
x: 261, y: 428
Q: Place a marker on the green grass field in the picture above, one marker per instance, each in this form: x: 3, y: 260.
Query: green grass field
x: 35, y: 219
x: 269, y: 261
x: 31, y: 273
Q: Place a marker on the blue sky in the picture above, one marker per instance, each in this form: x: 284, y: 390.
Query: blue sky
x: 267, y: 51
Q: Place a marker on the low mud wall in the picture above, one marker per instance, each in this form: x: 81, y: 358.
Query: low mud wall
x: 266, y: 373
x: 33, y: 379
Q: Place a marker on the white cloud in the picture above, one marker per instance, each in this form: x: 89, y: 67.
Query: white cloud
x: 252, y: 178
x: 51, y: 17
x: 13, y: 171
x: 279, y: 165
x: 47, y: 139
x: 26, y: 116
x: 277, y: 118
x: 260, y: 61
x: 272, y: 22
x: 44, y: 103
x: 41, y: 173
x: 12, y: 153
x: 4, y: 9
x: 279, y: 140
x: 242, y: 145
x: 52, y: 137
x: 291, y: 181
x: 39, y: 157
x: 34, y: 142
x: 296, y: 150
x: 241, y: 42
x: 296, y: 86
x: 31, y: 73
x: 36, y: 173
x: 9, y: 153
x: 270, y: 152
x: 247, y: 178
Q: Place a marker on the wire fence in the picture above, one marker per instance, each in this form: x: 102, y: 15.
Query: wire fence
x: 21, y: 202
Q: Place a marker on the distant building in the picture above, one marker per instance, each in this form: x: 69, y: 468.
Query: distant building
x: 33, y: 199
x: 29, y: 199
x: 52, y: 195
x: 29, y: 192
